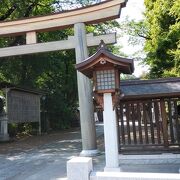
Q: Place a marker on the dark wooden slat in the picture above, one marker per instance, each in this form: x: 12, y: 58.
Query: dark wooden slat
x: 133, y: 123
x: 127, y: 121
x: 176, y: 120
x: 164, y: 122
x: 170, y: 121
x: 145, y: 123
x: 117, y: 126
x: 136, y: 136
x: 178, y: 116
x: 151, y: 121
x: 122, y: 124
x: 139, y: 123
x: 157, y: 119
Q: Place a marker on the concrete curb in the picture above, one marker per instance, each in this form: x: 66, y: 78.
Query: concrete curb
x: 165, y: 158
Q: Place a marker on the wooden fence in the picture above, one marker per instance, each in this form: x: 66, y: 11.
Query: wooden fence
x: 150, y: 124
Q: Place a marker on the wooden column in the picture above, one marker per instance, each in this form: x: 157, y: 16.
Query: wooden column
x: 88, y: 131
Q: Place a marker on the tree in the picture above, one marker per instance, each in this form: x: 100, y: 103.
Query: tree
x: 162, y: 19
x: 160, y: 30
x: 52, y: 72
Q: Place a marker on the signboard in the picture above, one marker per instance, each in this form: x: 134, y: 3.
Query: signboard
x: 23, y: 107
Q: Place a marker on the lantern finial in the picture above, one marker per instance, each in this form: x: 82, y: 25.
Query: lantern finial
x: 102, y: 45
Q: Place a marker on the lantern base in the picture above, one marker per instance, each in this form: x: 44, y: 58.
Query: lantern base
x: 110, y: 169
x: 90, y: 153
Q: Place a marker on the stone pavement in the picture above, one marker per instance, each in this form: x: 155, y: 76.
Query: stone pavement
x: 48, y: 162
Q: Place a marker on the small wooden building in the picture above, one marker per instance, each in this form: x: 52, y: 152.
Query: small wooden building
x: 149, y: 117
x: 22, y: 104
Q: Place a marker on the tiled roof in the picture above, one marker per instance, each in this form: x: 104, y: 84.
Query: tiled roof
x: 6, y: 85
x: 148, y: 88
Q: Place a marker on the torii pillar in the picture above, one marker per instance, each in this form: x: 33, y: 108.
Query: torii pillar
x: 88, y: 131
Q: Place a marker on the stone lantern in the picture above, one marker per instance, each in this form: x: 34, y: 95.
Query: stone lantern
x: 104, y: 68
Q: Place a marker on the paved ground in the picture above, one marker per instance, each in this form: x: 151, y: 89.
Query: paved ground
x: 48, y: 162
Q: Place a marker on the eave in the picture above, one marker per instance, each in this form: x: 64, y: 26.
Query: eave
x: 88, y: 15
x: 6, y: 85
x: 154, y: 88
x: 123, y: 64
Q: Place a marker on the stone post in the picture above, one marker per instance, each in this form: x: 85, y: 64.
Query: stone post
x: 110, y: 135
x: 88, y: 131
x: 39, y: 102
x: 4, y: 136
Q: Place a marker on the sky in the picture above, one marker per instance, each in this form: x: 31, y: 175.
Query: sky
x: 134, y: 10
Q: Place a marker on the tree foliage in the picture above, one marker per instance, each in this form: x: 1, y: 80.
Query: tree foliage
x: 137, y: 30
x: 160, y: 30
x: 162, y: 17
x: 52, y: 72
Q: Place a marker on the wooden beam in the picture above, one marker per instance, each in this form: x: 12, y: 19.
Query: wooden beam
x: 55, y: 45
x: 101, y: 12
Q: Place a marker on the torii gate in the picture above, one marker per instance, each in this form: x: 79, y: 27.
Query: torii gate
x: 104, y: 11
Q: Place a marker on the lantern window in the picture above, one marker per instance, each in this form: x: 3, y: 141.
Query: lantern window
x: 105, y: 79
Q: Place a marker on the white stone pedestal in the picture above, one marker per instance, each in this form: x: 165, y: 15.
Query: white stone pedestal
x: 110, y: 135
x: 4, y: 136
x: 79, y: 168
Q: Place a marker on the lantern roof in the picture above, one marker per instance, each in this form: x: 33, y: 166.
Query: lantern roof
x: 103, y: 58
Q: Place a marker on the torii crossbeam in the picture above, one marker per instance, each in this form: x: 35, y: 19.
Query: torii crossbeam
x: 55, y: 45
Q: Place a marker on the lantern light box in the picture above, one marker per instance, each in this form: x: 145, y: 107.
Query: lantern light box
x: 105, y: 69
x: 105, y: 79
